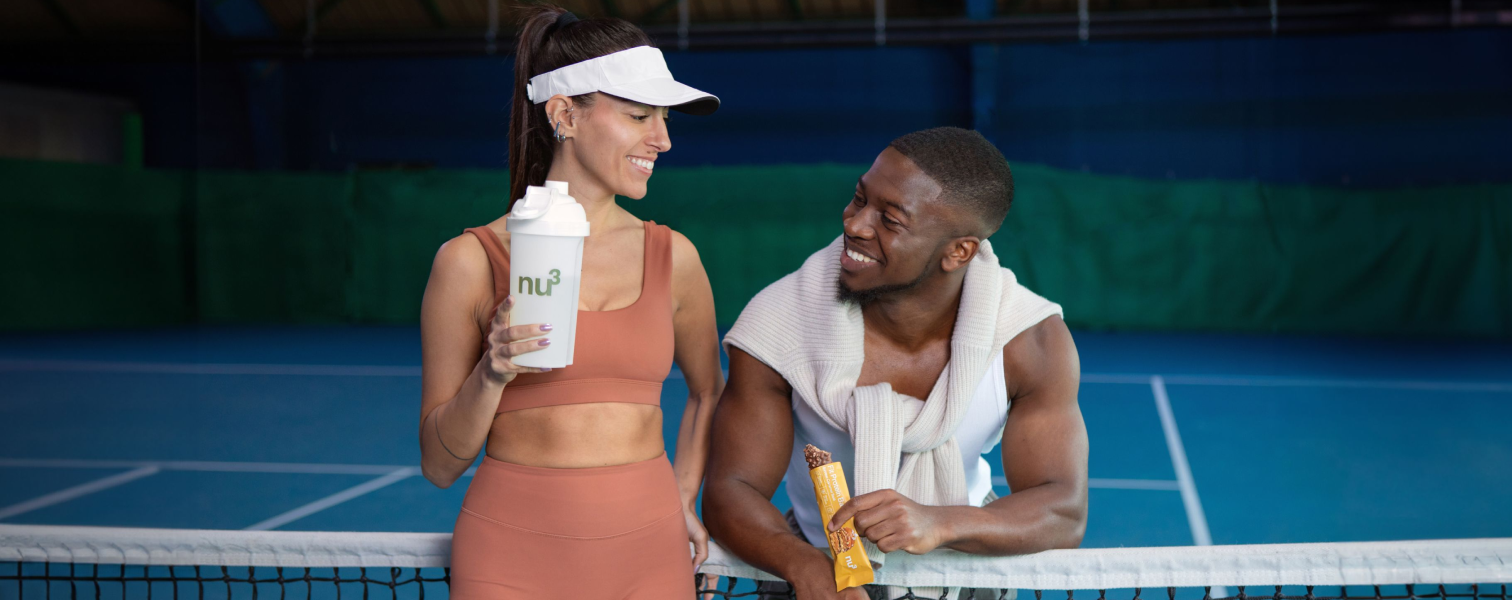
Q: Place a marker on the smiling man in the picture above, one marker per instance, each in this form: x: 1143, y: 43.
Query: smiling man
x: 907, y: 351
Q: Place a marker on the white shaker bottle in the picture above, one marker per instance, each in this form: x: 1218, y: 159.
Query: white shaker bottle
x: 546, y: 232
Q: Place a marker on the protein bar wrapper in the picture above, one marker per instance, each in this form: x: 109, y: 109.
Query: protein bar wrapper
x: 852, y: 567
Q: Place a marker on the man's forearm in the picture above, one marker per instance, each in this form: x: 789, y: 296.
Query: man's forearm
x: 747, y: 524
x: 1041, y: 518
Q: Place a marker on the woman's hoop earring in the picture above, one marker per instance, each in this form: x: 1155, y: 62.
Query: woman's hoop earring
x: 557, y: 131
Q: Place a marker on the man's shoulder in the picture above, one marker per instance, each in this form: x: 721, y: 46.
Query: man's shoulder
x: 775, y: 320
x: 769, y: 317
x: 1045, y: 352
x: 1023, y: 309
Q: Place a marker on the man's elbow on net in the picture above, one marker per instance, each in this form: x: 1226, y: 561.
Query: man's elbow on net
x: 1074, y: 535
x: 1074, y: 524
x: 721, y: 506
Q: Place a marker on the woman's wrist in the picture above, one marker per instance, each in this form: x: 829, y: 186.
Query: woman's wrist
x: 491, y: 381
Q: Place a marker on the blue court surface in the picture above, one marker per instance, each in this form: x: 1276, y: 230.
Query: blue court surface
x: 1196, y: 439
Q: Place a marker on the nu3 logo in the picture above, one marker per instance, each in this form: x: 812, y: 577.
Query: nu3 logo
x: 535, y: 287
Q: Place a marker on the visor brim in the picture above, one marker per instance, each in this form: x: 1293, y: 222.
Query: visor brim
x: 669, y: 93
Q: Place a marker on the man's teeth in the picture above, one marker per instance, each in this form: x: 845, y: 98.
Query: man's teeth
x: 642, y: 163
x: 858, y: 257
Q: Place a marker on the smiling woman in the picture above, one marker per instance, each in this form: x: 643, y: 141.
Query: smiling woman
x: 575, y: 469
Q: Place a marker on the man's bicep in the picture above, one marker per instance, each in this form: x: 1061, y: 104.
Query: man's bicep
x: 1045, y: 439
x: 752, y: 438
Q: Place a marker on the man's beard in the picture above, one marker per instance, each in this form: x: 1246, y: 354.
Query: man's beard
x: 869, y: 296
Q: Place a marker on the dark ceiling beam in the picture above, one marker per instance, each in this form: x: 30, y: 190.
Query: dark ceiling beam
x: 227, y: 18
x: 1171, y: 24
x: 437, y: 19
x: 61, y: 14
x: 184, y: 7
x: 325, y: 8
x: 657, y: 11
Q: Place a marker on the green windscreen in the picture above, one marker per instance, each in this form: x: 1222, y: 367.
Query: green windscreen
x: 103, y: 246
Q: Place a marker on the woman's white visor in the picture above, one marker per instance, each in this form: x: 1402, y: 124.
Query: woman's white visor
x: 638, y: 74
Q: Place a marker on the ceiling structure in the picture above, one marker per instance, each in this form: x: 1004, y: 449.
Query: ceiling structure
x: 37, y: 29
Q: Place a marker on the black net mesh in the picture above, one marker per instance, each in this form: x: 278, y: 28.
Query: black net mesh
x: 72, y: 581
x: 730, y: 587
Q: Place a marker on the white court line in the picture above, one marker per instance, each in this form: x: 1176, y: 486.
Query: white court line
x: 1135, y: 484
x: 77, y: 491
x: 102, y: 366
x: 1238, y: 381
x: 334, y: 499
x: 1195, y: 517
x: 218, y: 467
x: 1161, y: 485
x: 210, y: 466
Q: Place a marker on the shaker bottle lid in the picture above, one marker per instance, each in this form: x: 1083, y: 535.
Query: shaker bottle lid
x: 547, y: 210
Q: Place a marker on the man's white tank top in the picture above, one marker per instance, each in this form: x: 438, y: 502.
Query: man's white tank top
x: 980, y: 430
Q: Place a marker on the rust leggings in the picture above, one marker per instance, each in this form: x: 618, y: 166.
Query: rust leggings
x: 602, y: 532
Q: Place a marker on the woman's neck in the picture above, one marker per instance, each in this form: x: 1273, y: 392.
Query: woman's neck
x: 598, y: 202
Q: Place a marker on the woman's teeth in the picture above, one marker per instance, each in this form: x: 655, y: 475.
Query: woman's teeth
x: 643, y: 163
x: 858, y: 257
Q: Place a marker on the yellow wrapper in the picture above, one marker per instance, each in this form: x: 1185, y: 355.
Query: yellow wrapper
x: 852, y: 567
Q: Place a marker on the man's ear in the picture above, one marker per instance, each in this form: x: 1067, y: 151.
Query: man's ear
x: 561, y: 115
x: 959, y: 253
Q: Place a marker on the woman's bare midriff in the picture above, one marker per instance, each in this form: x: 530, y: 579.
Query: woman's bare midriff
x: 576, y: 436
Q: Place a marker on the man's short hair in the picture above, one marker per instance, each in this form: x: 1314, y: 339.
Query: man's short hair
x: 968, y: 168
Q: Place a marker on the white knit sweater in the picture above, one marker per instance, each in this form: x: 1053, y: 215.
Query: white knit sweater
x: 797, y: 327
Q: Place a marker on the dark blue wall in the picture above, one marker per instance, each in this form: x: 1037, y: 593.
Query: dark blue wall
x: 1386, y: 109
x: 777, y: 107
x: 1374, y: 110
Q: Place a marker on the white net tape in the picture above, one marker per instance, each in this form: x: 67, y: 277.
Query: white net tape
x: 1430, y: 562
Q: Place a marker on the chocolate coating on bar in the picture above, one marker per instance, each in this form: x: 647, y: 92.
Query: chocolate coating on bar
x: 816, y: 458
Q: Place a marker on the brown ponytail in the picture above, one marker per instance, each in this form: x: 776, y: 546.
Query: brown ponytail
x: 546, y: 46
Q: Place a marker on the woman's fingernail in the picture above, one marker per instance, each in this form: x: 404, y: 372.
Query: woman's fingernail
x: 545, y: 342
x: 546, y: 327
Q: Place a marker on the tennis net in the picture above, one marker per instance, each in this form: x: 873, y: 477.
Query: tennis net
x: 46, y: 562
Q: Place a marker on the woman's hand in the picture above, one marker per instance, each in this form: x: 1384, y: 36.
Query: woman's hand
x: 505, y: 343
x: 698, y: 535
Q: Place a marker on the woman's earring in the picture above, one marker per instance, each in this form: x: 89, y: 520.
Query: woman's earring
x: 558, y: 133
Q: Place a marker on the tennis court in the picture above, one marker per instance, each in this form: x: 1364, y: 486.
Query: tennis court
x: 1280, y: 232
x: 1196, y: 439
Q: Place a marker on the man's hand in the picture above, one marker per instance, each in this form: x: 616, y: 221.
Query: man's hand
x: 816, y: 581
x: 827, y: 592
x: 893, y: 522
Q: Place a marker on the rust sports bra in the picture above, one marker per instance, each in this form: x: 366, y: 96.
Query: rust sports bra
x: 621, y: 355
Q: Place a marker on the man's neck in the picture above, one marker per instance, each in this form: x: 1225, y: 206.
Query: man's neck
x: 920, y: 316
